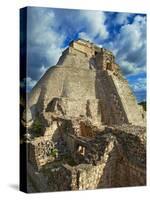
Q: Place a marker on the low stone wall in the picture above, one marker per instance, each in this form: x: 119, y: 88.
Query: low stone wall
x: 39, y: 151
x: 112, y: 171
x: 129, y: 175
x: 132, y: 140
x: 114, y: 157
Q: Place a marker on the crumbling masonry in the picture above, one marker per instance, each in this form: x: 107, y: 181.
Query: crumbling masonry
x: 85, y: 128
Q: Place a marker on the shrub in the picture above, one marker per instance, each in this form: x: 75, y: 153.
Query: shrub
x: 54, y: 152
x: 37, y: 126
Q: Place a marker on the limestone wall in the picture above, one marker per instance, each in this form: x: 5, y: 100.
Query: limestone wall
x: 74, y: 58
x: 122, y: 160
x: 38, y: 151
x: 129, y: 175
x: 62, y: 82
x: 75, y: 108
x: 118, y: 103
x: 83, y: 47
x: 112, y: 108
x: 112, y: 173
x: 101, y: 175
x: 131, y: 108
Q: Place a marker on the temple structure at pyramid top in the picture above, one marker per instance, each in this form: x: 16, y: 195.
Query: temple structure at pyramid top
x: 99, y: 58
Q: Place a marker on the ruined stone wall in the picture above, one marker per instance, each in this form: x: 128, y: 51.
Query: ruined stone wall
x: 103, y: 175
x: 86, y: 131
x: 122, y: 160
x: 83, y: 176
x: 129, y: 175
x: 55, y: 178
x: 88, y: 176
x: 80, y: 177
x: 131, y: 155
x: 36, y: 181
x: 133, y: 142
x: 59, y: 178
x: 39, y: 151
x: 111, y: 173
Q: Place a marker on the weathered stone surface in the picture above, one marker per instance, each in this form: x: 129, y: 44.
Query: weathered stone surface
x: 91, y: 131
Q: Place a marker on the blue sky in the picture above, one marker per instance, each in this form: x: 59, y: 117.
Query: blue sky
x: 51, y: 30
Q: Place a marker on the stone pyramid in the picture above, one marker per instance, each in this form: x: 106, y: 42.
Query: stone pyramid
x: 86, y: 82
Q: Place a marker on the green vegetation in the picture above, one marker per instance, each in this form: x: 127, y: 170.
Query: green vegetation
x: 53, y: 152
x: 37, y: 126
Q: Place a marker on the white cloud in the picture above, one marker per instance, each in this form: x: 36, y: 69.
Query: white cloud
x: 28, y: 82
x: 85, y: 36
x: 49, y: 28
x: 130, y: 46
x: 122, y: 18
x: 44, y: 41
x: 95, y: 22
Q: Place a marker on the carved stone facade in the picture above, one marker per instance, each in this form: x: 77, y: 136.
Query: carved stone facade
x: 92, y: 131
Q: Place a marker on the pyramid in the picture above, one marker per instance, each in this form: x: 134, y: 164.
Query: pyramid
x: 87, y: 82
x: 85, y: 128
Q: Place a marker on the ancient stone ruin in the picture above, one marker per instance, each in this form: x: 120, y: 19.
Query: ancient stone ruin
x: 85, y: 128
